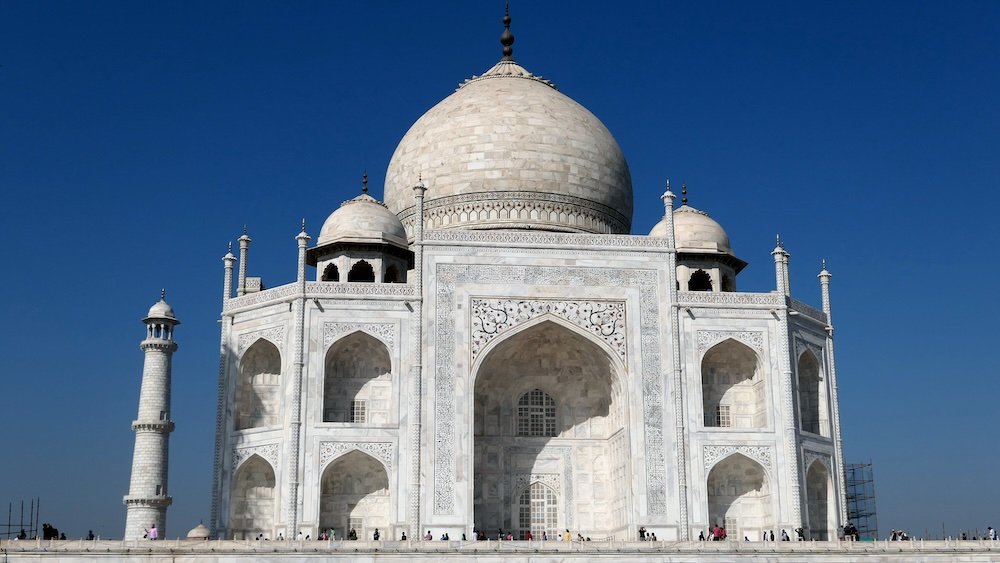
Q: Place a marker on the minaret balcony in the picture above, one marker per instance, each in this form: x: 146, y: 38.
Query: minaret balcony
x: 154, y: 426
x: 155, y: 501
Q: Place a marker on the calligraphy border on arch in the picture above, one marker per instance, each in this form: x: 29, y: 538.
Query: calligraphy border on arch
x: 603, y: 319
x: 652, y: 392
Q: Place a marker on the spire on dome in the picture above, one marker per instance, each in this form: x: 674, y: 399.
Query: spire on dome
x: 507, y: 38
x: 684, y: 193
x: 163, y: 294
x: 364, y: 183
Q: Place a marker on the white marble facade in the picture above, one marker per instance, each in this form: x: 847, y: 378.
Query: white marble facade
x: 517, y: 360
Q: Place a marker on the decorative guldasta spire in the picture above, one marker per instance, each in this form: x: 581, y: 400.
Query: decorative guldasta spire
x: 507, y: 38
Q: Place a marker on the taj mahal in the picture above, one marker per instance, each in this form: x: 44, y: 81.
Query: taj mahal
x: 490, y: 347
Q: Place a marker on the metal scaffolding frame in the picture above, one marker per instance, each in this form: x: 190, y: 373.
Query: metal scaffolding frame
x: 860, y: 483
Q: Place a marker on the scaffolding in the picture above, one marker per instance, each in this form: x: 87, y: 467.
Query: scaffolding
x: 860, y: 481
x: 29, y: 527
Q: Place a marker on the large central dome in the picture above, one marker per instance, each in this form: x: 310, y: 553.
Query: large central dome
x: 509, y: 151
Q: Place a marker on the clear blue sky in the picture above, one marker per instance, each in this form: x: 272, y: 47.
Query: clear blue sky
x: 136, y: 139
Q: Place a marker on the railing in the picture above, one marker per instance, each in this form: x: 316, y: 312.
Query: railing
x: 318, y: 290
x: 125, y: 550
x: 806, y: 310
x: 729, y: 298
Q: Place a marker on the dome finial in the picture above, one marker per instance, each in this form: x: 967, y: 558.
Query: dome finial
x: 163, y: 294
x: 364, y: 182
x: 684, y: 193
x: 507, y: 38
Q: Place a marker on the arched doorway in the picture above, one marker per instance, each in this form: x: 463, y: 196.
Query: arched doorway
x: 700, y: 281
x: 354, y: 494
x: 732, y: 387
x: 258, y: 385
x: 538, y: 512
x: 739, y: 497
x: 811, y: 405
x: 357, y: 384
x: 818, y: 501
x: 251, y: 510
x: 550, y: 438
x: 362, y: 271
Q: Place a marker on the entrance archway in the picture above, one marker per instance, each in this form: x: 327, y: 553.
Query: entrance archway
x: 354, y: 494
x: 818, y: 501
x: 549, y: 422
x: 258, y: 387
x: 252, y: 503
x: 357, y: 385
x: 739, y: 497
x: 732, y: 387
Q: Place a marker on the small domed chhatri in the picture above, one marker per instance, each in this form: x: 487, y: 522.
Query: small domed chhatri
x: 161, y: 309
x: 507, y: 150
x: 705, y: 260
x: 362, y: 219
x: 362, y: 240
x: 694, y: 231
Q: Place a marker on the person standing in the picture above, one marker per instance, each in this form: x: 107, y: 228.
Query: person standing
x: 153, y: 534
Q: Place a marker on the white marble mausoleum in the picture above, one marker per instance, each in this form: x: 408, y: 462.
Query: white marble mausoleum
x: 490, y: 347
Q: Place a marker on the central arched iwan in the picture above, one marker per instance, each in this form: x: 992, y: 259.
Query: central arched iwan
x: 550, y: 406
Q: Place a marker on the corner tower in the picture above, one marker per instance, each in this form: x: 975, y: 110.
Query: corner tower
x: 147, y: 500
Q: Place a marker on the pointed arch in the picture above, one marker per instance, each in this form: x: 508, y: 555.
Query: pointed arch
x: 357, y: 383
x: 354, y: 494
x: 819, y: 501
x: 331, y: 273
x: 700, y: 280
x: 732, y: 386
x: 252, y: 501
x: 258, y: 386
x: 739, y: 496
x: 361, y: 271
x: 810, y: 396
x: 512, y: 332
x: 578, y: 385
x: 536, y: 511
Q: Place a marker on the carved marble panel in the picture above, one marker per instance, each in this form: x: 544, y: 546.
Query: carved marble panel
x: 550, y: 480
x: 709, y: 338
x: 329, y: 451
x: 808, y: 457
x: 386, y: 332
x: 801, y: 345
x: 604, y: 319
x: 715, y: 453
x: 276, y: 335
x: 267, y: 451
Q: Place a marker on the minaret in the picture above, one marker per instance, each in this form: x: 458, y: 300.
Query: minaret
x: 241, y: 288
x: 781, y: 267
x: 147, y: 500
